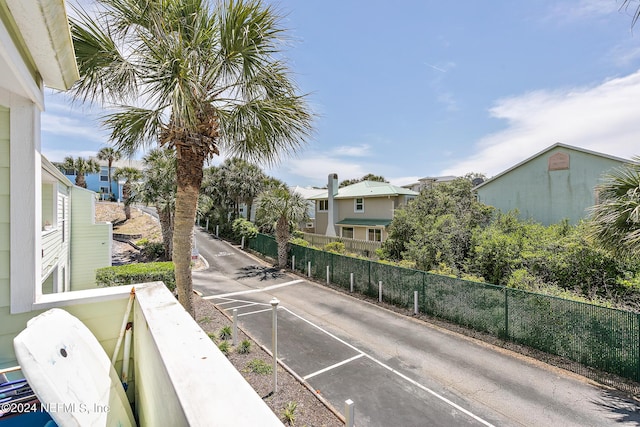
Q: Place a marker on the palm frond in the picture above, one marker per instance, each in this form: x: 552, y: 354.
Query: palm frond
x: 132, y: 128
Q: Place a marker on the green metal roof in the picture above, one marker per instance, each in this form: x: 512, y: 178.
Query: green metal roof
x: 366, y: 222
x: 367, y: 189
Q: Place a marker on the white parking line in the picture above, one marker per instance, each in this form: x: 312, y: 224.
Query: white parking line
x: 401, y: 375
x: 253, y: 291
x: 255, y: 312
x: 243, y: 306
x: 328, y: 368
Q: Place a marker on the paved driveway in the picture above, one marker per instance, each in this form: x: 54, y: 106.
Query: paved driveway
x: 397, y: 370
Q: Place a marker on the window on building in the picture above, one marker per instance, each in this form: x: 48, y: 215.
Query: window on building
x: 104, y: 174
x: 359, y: 204
x: 323, y: 205
x: 375, y: 235
x: 347, y: 232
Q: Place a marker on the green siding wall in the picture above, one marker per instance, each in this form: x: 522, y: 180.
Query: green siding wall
x: 5, y: 237
x: 90, y: 242
x: 549, y: 196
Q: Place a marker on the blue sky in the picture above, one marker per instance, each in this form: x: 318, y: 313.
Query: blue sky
x: 414, y: 88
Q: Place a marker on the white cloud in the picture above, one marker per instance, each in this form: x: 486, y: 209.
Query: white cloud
x: 361, y: 150
x: 603, y: 118
x: 403, y: 180
x: 314, y: 168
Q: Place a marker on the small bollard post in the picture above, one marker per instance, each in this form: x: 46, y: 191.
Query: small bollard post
x: 351, y: 282
x: 242, y: 243
x: 309, y: 269
x: 293, y: 262
x: 217, y: 230
x: 274, y: 341
x: 235, y: 327
x: 349, y: 412
x: 198, y: 221
x: 415, y: 302
x: 327, y: 274
x: 207, y: 225
x: 380, y: 291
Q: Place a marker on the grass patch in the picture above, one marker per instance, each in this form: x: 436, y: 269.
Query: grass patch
x: 259, y: 366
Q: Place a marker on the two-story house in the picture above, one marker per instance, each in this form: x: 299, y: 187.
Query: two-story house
x: 359, y: 211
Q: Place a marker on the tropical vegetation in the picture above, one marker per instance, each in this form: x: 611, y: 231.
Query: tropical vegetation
x: 196, y: 77
x: 81, y: 167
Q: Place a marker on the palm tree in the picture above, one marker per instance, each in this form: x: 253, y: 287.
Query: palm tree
x: 81, y: 167
x: 209, y: 78
x: 286, y: 209
x: 615, y: 220
x: 159, y: 189
x: 110, y: 155
x: 130, y: 176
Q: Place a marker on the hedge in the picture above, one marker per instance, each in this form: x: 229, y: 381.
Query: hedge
x: 137, y: 273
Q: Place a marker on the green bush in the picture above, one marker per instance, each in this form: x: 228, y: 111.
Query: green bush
x: 243, y: 228
x: 335, y: 247
x: 300, y: 242
x: 259, y: 367
x: 153, y: 250
x: 137, y: 273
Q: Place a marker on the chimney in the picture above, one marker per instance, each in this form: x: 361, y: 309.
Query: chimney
x: 332, y: 214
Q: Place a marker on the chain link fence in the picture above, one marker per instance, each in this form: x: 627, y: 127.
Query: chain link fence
x: 594, y: 336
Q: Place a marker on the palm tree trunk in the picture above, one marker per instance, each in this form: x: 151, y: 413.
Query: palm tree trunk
x: 80, y: 181
x: 166, y: 227
x: 126, y: 193
x: 189, y: 179
x: 282, y: 238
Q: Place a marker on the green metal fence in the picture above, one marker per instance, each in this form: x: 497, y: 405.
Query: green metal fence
x: 598, y: 337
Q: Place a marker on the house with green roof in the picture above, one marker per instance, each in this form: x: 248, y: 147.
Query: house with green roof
x: 359, y: 211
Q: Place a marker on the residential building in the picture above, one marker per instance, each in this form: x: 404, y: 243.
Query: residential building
x: 183, y: 379
x: 558, y: 183
x: 359, y: 211
x: 99, y: 182
x: 308, y: 226
x: 429, y: 182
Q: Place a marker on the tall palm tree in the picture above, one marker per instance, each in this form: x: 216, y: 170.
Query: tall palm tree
x: 615, y: 220
x: 286, y: 209
x: 81, y: 167
x: 109, y: 155
x: 130, y: 176
x: 159, y: 189
x: 197, y: 77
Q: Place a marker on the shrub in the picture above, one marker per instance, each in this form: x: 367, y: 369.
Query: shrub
x: 335, y: 247
x: 289, y: 412
x: 225, y: 333
x: 243, y: 228
x: 153, y: 251
x: 244, y: 347
x: 259, y: 366
x: 224, y: 348
x: 137, y: 273
x: 300, y: 242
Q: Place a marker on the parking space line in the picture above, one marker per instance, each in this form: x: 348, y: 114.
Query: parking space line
x: 243, y: 306
x: 254, y: 312
x: 252, y: 291
x: 328, y: 368
x: 401, y: 375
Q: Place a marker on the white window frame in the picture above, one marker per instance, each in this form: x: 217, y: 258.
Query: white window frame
x: 353, y: 232
x: 104, y: 174
x: 355, y: 205
x: 378, y: 230
x: 323, y: 202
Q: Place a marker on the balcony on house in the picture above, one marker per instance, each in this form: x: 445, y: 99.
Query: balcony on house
x: 178, y: 376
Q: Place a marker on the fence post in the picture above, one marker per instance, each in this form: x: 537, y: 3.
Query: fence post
x: 235, y: 327
x: 380, y: 291
x: 217, y: 230
x: 369, y: 282
x: 332, y: 257
x: 349, y: 412
x: 506, y: 313
x: 207, y: 227
x: 327, y: 274
x: 242, y: 243
x: 293, y: 263
x: 415, y: 302
x: 351, y: 282
x: 309, y: 269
